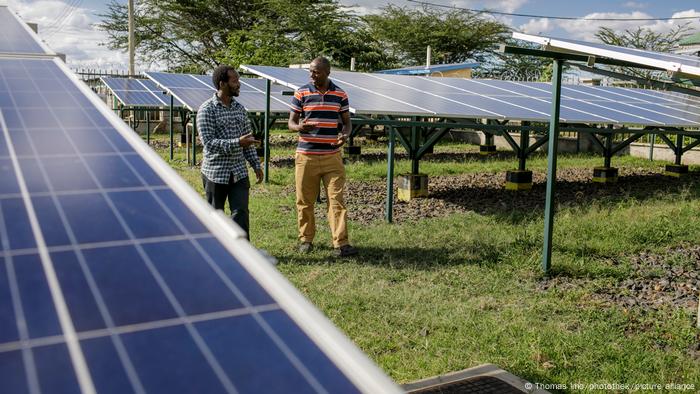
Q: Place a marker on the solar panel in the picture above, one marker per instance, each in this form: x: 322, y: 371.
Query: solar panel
x: 17, y: 38
x: 115, y: 276
x: 194, y: 90
x: 673, y: 62
x: 495, y: 99
x: 138, y: 92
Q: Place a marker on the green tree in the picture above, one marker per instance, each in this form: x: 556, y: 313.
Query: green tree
x: 643, y: 38
x: 454, y: 35
x: 195, y: 35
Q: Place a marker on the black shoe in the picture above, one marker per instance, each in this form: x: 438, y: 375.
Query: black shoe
x: 306, y: 247
x: 346, y: 251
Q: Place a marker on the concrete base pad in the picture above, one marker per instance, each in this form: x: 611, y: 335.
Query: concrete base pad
x: 605, y: 174
x: 412, y: 186
x: 676, y: 170
x: 518, y: 180
x: 487, y: 150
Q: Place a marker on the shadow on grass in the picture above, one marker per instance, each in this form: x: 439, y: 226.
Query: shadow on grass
x: 439, y: 157
x: 412, y: 258
x: 467, y: 195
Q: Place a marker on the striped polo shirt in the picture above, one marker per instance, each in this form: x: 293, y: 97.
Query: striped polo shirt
x: 323, y: 109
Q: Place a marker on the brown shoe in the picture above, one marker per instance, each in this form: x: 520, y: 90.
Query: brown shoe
x: 346, y: 251
x: 306, y: 247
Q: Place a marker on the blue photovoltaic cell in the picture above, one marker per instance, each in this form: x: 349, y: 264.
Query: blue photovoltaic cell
x: 57, y: 373
x: 12, y: 372
x: 149, y: 290
x: 16, y: 38
x: 194, y: 90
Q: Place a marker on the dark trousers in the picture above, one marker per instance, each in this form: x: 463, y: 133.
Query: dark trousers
x: 237, y: 194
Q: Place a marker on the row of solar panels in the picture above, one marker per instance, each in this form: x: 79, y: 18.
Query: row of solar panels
x: 117, y: 277
x: 372, y: 94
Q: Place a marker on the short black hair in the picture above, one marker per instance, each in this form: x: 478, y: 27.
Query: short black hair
x: 323, y: 62
x: 221, y: 75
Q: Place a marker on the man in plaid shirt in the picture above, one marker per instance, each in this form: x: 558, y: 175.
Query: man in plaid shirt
x: 228, y: 141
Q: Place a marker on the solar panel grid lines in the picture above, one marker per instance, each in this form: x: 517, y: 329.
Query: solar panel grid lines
x: 18, y: 39
x: 438, y: 96
x: 493, y: 98
x: 596, y: 106
x: 546, y: 101
x: 633, y: 103
x: 386, y: 94
x: 137, y: 92
x: 646, y: 115
x: 118, y: 329
x: 194, y: 90
x: 250, y: 85
x: 67, y: 327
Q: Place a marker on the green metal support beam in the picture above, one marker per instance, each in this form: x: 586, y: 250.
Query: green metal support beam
x: 266, y: 133
x: 389, y: 208
x: 552, y: 165
x: 170, y: 125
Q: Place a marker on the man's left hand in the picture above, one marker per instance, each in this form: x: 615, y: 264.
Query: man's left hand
x: 259, y: 175
x: 342, y: 138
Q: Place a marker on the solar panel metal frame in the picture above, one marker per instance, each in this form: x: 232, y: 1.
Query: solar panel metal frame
x: 337, y: 348
x: 30, y: 33
x: 667, y: 61
x: 484, y: 105
x: 162, y: 103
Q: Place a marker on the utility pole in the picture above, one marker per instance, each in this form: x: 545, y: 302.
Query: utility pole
x: 428, y: 55
x: 132, y: 40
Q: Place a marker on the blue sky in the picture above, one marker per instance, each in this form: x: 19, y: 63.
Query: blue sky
x: 68, y: 25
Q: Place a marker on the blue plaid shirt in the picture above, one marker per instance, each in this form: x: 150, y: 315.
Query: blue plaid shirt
x: 220, y: 128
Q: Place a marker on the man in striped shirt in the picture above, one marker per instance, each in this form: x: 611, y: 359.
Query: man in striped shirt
x: 320, y: 114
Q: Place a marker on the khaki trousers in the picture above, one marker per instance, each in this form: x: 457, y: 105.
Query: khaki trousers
x: 309, y: 171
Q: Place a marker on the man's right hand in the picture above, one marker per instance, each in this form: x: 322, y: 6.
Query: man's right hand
x: 305, y: 126
x: 247, y: 140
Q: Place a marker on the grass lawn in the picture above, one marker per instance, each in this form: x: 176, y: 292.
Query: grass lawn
x: 437, y: 295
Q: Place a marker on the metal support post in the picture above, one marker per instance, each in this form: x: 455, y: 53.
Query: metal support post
x: 524, y: 143
x: 194, y: 139
x: 679, y: 148
x: 389, y: 214
x: 552, y: 165
x: 266, y: 132
x: 608, y: 148
x: 170, y: 124
x: 148, y: 128
x: 414, y: 147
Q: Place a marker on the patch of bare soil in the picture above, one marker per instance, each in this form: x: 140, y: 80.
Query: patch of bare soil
x: 658, y: 283
x: 485, y: 194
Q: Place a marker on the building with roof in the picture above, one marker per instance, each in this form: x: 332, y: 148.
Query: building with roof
x: 454, y: 70
x: 690, y: 45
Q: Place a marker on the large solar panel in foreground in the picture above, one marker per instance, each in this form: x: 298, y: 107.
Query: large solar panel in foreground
x: 17, y: 38
x: 495, y: 99
x: 117, y: 277
x: 194, y: 90
x: 138, y: 92
x: 673, y: 62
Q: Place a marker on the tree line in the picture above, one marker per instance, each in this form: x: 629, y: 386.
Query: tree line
x: 196, y: 35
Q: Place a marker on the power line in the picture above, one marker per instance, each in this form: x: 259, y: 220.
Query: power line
x: 570, y: 18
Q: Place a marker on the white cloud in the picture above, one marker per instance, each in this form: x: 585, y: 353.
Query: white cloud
x: 586, y: 29
x: 536, y: 26
x: 635, y: 4
x: 72, y: 31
